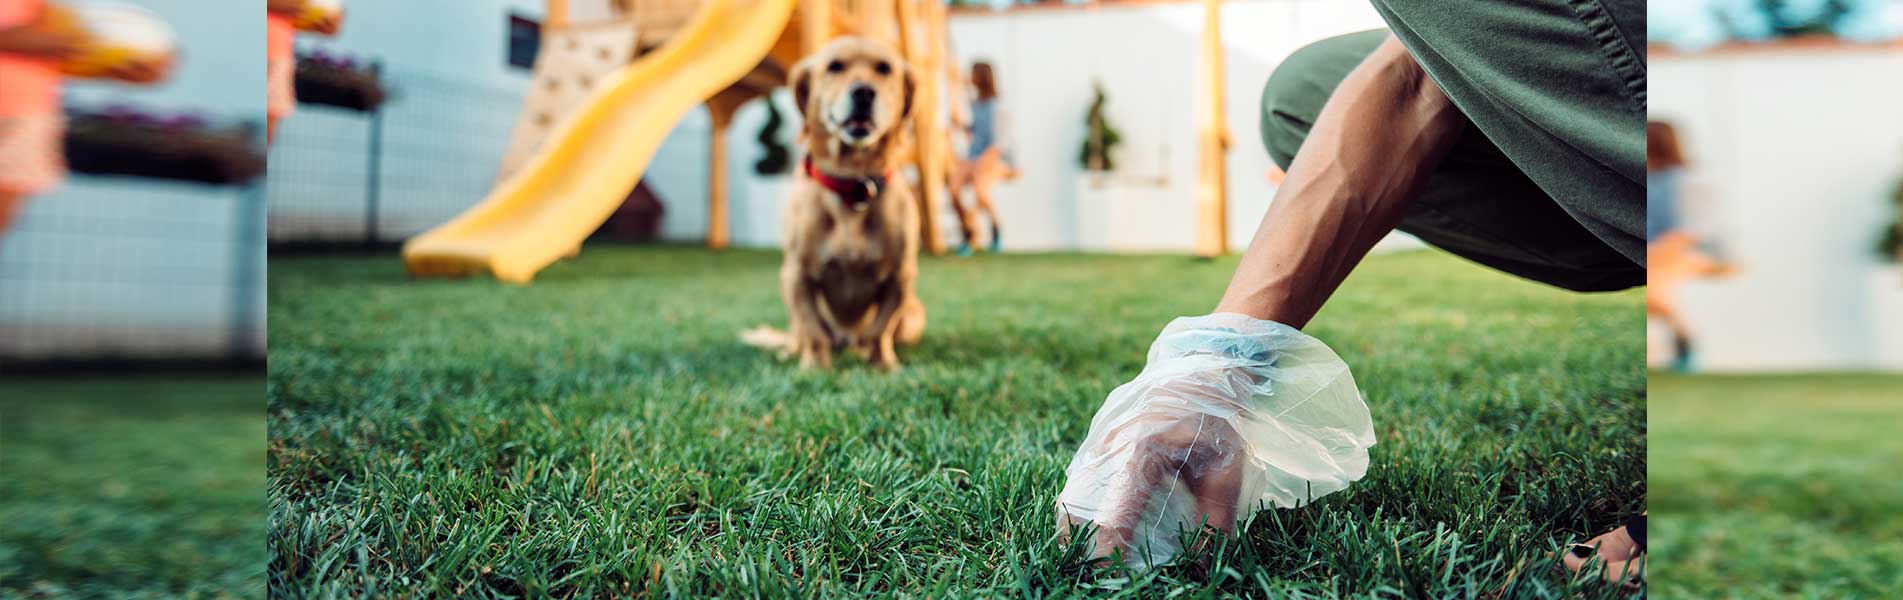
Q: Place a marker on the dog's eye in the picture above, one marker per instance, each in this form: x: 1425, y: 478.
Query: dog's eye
x: 882, y: 68
x: 835, y: 67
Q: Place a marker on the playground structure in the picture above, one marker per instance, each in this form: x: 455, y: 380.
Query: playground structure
x: 610, y: 85
x: 614, y: 77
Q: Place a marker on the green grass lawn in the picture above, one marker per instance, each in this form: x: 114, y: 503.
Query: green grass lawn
x: 603, y: 432
x: 147, y: 487
x: 1778, y: 487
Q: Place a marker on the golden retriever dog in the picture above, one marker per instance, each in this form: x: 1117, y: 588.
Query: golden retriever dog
x: 851, y: 225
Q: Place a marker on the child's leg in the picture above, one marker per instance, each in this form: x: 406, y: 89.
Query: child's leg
x: 280, y: 95
x: 34, y: 162
x: 967, y: 218
x: 983, y: 193
x: 989, y: 172
x: 1660, y: 303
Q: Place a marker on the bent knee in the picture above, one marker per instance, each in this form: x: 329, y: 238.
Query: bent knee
x: 1298, y: 88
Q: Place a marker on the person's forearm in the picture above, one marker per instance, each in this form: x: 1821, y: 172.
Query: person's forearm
x: 1377, y: 140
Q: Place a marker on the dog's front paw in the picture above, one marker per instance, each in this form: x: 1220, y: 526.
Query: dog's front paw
x: 812, y: 359
x: 882, y: 356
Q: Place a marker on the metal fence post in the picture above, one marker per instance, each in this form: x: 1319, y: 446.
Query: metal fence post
x: 247, y: 258
x: 374, y: 174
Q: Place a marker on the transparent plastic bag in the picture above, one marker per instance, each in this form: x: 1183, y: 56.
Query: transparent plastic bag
x: 1231, y: 414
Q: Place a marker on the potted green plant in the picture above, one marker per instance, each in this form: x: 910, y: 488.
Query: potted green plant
x: 1112, y: 208
x: 1890, y: 242
x: 777, y: 158
x: 1100, y: 137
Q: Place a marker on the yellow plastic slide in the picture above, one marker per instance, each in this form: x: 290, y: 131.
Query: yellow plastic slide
x: 594, y: 158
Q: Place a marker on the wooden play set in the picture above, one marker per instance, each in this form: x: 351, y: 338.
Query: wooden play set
x: 613, y: 77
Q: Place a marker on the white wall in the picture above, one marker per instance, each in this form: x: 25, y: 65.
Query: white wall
x: 1802, y: 148
x: 462, y: 39
x: 1046, y: 61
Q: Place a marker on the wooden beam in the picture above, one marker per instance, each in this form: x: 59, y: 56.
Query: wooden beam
x: 921, y: 43
x: 786, y: 50
x: 1212, y: 181
x: 720, y: 110
x: 877, y: 21
x: 763, y: 78
x: 557, y: 16
x: 816, y: 25
x: 717, y: 226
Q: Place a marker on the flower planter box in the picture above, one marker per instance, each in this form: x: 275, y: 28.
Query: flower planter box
x: 339, y: 82
x: 121, y: 142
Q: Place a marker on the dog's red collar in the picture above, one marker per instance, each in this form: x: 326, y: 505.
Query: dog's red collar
x: 855, y: 192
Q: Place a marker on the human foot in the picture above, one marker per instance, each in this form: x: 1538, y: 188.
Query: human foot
x: 1609, y: 546
x: 1620, y: 554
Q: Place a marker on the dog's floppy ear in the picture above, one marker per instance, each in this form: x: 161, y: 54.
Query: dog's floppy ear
x: 910, y: 84
x: 800, y: 80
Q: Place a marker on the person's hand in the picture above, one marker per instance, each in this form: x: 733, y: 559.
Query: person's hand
x: 1230, y: 413
x: 1155, y: 451
x: 40, y: 42
x: 142, y: 72
x: 330, y: 25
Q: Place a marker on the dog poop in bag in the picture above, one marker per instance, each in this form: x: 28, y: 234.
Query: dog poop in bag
x: 1231, y: 414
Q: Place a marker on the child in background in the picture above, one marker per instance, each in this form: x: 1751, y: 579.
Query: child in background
x: 30, y: 123
x: 987, y: 160
x: 32, y: 128
x: 281, y: 77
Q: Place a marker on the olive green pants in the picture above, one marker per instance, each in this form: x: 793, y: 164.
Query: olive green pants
x: 1548, y: 183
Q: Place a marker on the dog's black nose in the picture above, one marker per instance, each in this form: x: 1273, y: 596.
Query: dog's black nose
x: 863, y: 95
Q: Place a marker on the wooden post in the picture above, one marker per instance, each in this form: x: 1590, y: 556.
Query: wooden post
x: 877, y: 21
x: 921, y: 41
x: 816, y: 24
x: 720, y: 112
x: 717, y: 233
x: 557, y: 16
x: 939, y: 173
x: 1212, y: 219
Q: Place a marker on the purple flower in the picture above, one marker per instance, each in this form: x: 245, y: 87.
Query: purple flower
x: 182, y: 122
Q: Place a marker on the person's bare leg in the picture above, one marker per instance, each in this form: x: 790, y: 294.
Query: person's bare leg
x: 989, y: 171
x: 982, y: 192
x: 1618, y: 554
x: 1661, y: 304
x: 1372, y: 148
x: 1609, y: 546
x: 1666, y: 312
x: 967, y: 218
